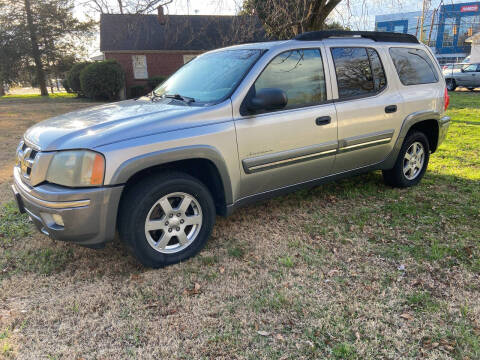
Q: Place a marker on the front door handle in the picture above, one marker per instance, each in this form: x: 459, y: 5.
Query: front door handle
x: 391, y: 109
x: 323, y: 120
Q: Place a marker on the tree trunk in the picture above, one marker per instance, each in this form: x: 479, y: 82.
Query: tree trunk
x: 35, y: 51
x: 2, y: 89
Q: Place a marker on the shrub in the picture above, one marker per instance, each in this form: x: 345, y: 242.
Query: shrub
x: 137, y: 91
x: 154, y: 81
x: 73, y: 77
x: 66, y: 86
x: 103, y: 79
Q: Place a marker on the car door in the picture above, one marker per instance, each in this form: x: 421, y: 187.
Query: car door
x: 464, y: 76
x: 367, y: 106
x: 472, y: 75
x: 297, y: 143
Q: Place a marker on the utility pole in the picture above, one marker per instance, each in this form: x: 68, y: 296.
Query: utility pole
x: 424, y: 10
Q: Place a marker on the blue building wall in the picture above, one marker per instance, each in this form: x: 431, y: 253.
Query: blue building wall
x: 455, y: 22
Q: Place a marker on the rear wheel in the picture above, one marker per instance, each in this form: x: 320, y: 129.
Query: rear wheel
x: 412, y: 162
x: 166, y: 219
x: 451, y: 85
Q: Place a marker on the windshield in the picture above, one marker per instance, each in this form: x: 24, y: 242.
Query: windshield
x: 210, y: 77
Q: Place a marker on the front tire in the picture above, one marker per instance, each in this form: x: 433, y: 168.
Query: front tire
x: 411, y: 163
x: 451, y: 84
x: 166, y: 218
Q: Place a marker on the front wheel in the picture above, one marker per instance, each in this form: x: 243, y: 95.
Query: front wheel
x: 451, y: 84
x: 412, y: 162
x: 166, y: 219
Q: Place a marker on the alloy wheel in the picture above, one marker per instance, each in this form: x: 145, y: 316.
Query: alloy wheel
x: 413, y: 160
x: 173, y: 222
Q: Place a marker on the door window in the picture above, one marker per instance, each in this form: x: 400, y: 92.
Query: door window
x: 299, y: 73
x: 470, y: 68
x: 359, y: 72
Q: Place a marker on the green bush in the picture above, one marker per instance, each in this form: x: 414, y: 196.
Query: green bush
x: 73, y: 77
x: 137, y: 91
x: 66, y: 86
x: 154, y: 81
x: 102, y: 80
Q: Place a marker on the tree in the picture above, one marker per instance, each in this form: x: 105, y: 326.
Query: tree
x: 49, y: 28
x: 125, y: 6
x: 285, y: 19
x: 12, y: 47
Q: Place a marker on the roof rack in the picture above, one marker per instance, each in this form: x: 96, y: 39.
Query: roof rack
x: 373, y: 35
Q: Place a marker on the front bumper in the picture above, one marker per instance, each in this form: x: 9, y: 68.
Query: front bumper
x: 89, y: 215
x: 443, y: 123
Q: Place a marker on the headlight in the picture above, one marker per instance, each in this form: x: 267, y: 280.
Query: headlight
x: 77, y: 168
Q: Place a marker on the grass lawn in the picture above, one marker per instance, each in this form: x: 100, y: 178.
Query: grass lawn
x: 349, y: 270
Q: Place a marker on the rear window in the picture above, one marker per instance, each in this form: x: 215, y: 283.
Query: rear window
x: 359, y: 72
x: 413, y: 66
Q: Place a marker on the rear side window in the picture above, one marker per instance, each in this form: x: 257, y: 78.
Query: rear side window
x: 413, y: 66
x: 359, y: 72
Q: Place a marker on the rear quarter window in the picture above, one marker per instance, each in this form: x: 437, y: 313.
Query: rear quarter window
x: 413, y: 66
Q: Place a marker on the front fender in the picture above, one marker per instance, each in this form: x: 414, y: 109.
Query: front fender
x: 134, y: 165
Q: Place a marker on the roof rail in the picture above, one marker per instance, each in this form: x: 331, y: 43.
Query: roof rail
x: 373, y: 35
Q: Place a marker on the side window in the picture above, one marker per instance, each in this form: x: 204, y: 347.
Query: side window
x: 470, y: 68
x: 359, y: 71
x: 413, y: 66
x: 299, y: 73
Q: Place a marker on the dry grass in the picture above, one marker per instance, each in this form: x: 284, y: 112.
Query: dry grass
x: 350, y: 270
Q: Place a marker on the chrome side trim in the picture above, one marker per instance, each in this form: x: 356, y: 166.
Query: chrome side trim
x: 363, y: 141
x: 25, y: 192
x: 288, y: 157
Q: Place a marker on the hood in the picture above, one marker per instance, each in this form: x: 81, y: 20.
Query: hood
x: 105, y: 124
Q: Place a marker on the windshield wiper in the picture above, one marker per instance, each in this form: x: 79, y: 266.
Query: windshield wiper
x: 185, y: 99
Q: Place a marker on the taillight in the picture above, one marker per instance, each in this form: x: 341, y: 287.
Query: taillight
x: 446, y: 99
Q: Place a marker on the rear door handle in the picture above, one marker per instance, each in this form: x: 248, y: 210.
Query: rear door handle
x: 323, y: 120
x: 391, y: 109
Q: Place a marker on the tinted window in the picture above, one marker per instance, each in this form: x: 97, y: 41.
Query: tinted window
x: 299, y: 73
x: 413, y: 66
x: 359, y: 72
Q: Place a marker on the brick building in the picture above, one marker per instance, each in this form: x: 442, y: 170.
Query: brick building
x: 157, y: 45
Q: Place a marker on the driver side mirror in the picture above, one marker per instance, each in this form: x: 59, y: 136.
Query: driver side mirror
x: 268, y: 99
x: 462, y: 70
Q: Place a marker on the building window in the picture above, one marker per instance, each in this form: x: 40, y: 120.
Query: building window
x: 469, y: 25
x: 448, y: 31
x: 140, y: 70
x: 398, y: 28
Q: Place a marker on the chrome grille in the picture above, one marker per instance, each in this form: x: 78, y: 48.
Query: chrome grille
x: 26, y: 159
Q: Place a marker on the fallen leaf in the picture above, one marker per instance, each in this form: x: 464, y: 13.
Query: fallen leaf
x: 332, y: 272
x: 222, y: 270
x: 407, y: 316
x: 263, y: 333
x: 194, y: 291
x: 279, y: 337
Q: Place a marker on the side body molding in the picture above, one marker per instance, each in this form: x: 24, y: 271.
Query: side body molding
x: 145, y: 161
x: 408, y: 122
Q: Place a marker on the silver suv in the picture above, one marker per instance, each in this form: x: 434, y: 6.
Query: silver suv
x: 233, y: 126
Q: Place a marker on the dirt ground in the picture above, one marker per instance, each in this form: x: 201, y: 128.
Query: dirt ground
x: 349, y: 270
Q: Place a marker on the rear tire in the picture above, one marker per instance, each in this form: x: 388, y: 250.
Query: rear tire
x: 411, y: 163
x: 451, y: 84
x: 166, y: 218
